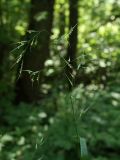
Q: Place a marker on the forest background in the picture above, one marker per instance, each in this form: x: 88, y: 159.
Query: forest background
x: 59, y: 79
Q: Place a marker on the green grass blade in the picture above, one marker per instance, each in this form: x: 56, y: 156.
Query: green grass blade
x: 83, y: 149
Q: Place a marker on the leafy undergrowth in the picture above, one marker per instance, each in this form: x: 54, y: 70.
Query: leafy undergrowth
x: 48, y: 131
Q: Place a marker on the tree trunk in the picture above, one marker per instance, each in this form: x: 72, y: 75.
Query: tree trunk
x: 3, y: 43
x: 3, y: 52
x: 72, y: 47
x: 41, y: 17
x: 73, y: 20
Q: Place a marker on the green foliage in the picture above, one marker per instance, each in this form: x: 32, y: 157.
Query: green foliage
x: 51, y: 128
x: 32, y: 132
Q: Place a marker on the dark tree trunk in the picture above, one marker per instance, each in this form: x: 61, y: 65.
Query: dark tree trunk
x: 41, y: 17
x: 72, y: 47
x: 3, y: 52
x: 3, y: 43
x: 73, y: 20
